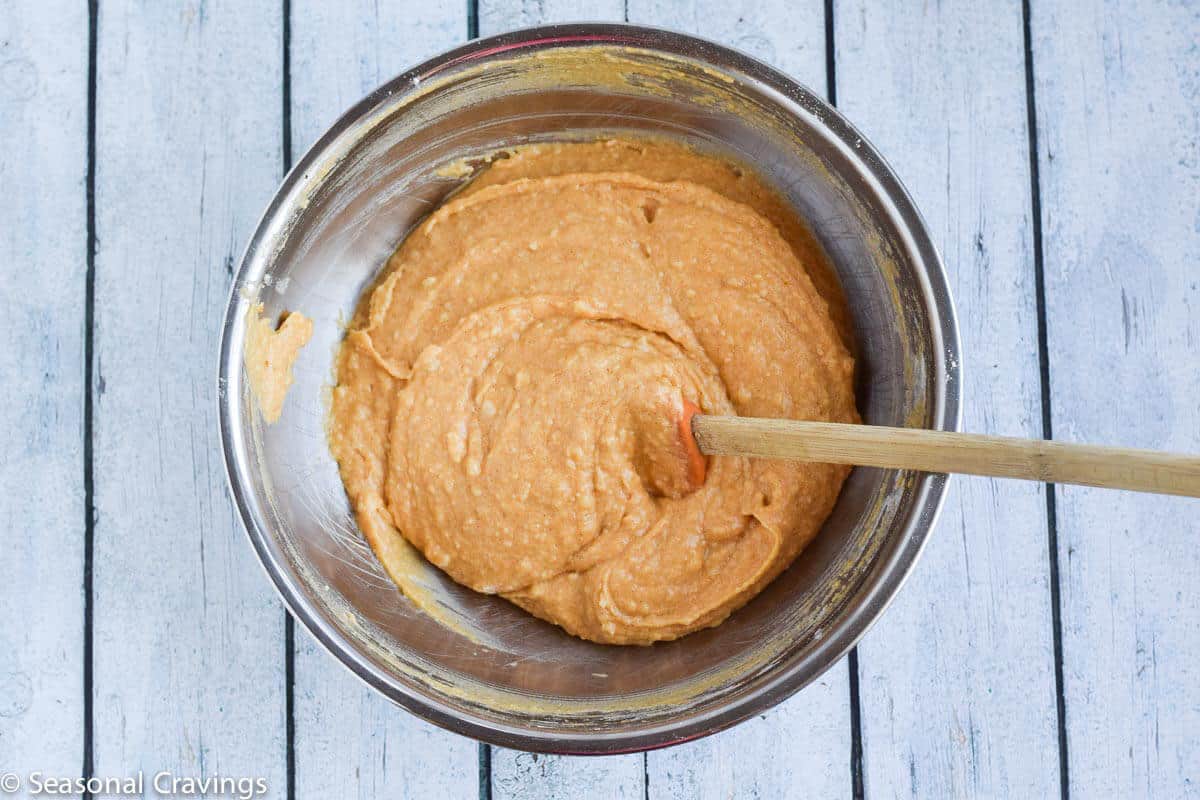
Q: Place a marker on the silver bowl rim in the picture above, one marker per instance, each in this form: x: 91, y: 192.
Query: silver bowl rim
x: 881, y: 584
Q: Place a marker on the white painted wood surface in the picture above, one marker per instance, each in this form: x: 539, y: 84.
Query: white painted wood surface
x: 189, y: 655
x: 530, y: 776
x: 43, y: 246
x: 497, y: 16
x: 350, y: 741
x: 958, y: 693
x: 787, y: 34
x: 800, y: 749
x: 1118, y: 105
x: 957, y: 682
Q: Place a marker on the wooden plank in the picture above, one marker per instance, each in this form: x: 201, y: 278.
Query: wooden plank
x: 349, y: 741
x: 531, y: 776
x: 524, y: 775
x: 43, y: 245
x: 189, y: 651
x: 799, y: 749
x: 787, y: 34
x: 958, y: 694
x: 1118, y: 111
x: 497, y: 16
x: 802, y: 748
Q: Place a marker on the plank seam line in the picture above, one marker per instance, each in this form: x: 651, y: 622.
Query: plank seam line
x: 857, y: 788
x: 1039, y: 271
x: 289, y: 625
x: 484, y: 750
x: 89, y: 318
x: 485, y: 771
x: 856, y: 745
x: 830, y: 56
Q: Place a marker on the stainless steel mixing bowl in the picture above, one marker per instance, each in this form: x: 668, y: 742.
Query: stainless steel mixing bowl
x: 478, y: 665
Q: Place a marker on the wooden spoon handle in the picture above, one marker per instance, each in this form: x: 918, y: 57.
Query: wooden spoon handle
x: 939, y: 451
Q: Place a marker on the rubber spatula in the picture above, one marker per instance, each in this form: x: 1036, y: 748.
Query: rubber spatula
x: 935, y: 451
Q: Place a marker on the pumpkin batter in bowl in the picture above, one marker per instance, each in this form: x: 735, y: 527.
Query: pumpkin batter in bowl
x: 507, y: 394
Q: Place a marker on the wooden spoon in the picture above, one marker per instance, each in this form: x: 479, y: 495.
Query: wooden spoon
x: 936, y: 451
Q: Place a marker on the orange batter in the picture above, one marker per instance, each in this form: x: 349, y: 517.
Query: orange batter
x: 507, y: 397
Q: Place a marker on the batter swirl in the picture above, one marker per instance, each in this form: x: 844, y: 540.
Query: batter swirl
x: 506, y: 395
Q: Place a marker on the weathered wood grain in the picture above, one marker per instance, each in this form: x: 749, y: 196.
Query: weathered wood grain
x: 189, y: 654
x: 1118, y: 112
x: 349, y: 741
x: 497, y: 16
x: 787, y: 34
x: 799, y: 749
x: 958, y: 694
x: 43, y: 246
x: 803, y: 747
x: 530, y: 776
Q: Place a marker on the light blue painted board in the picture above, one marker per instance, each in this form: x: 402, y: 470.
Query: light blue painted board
x: 1118, y: 104
x: 189, y: 652
x: 498, y: 16
x: 787, y: 34
x: 43, y: 249
x: 957, y: 677
x: 799, y: 749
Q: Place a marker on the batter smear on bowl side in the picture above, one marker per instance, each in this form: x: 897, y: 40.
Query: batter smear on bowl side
x: 507, y: 395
